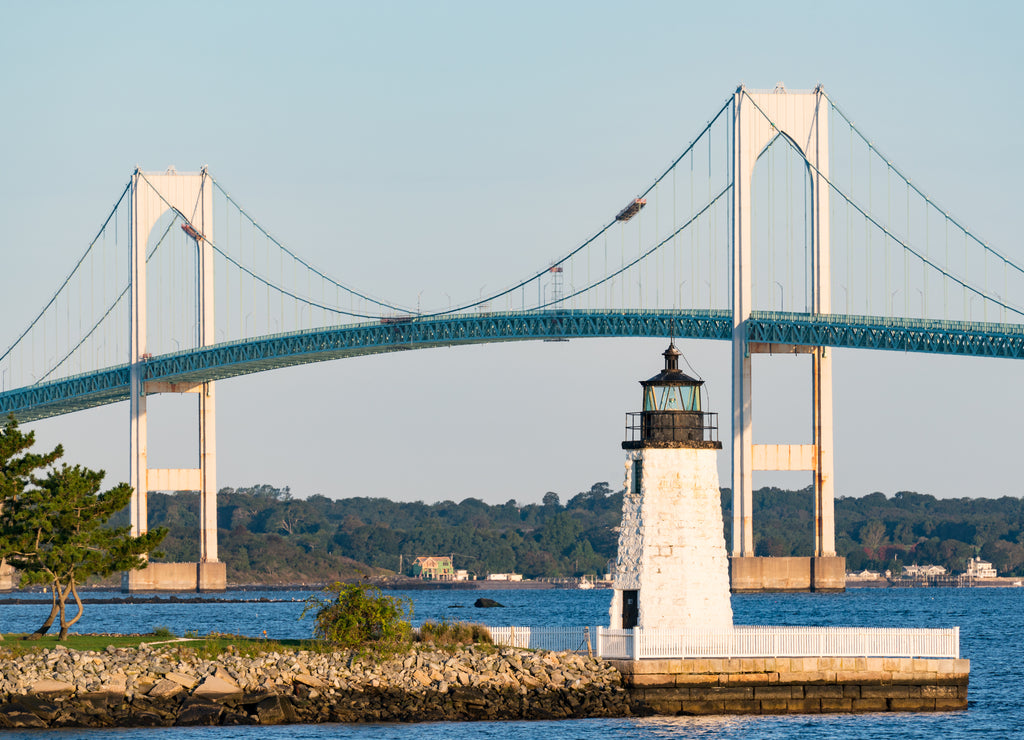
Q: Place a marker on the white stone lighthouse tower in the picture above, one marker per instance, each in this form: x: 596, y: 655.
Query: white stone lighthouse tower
x: 672, y: 569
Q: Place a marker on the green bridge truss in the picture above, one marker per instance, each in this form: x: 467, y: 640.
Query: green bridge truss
x: 229, y: 359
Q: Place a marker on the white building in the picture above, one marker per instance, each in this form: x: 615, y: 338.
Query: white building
x: 978, y: 568
x: 864, y: 575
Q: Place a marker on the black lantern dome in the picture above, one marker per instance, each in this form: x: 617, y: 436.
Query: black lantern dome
x: 672, y: 415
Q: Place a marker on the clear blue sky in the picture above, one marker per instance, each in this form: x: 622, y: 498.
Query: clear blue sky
x: 444, y: 147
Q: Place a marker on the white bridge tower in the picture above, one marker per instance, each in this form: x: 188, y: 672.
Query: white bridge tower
x: 802, y: 117
x: 191, y: 196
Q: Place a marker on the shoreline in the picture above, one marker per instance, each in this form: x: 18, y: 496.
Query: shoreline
x: 164, y: 684
x: 167, y: 685
x: 36, y: 595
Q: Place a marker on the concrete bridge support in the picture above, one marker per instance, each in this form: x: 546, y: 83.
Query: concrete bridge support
x: 802, y: 117
x: 192, y: 196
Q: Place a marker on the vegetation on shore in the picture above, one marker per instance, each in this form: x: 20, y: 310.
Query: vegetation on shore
x: 268, y: 537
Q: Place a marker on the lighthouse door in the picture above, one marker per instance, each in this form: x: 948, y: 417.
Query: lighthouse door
x: 630, y: 609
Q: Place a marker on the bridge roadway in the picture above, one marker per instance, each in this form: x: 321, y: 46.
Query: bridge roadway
x: 229, y: 359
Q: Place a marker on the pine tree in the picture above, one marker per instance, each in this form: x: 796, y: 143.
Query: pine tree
x: 53, y: 528
x: 17, y: 467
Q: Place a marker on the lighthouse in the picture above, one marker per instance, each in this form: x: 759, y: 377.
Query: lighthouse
x: 672, y: 569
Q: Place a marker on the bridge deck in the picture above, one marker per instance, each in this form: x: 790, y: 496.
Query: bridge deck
x: 230, y: 359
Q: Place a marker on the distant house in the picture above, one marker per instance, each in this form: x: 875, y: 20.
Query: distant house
x: 923, y: 571
x: 434, y: 568
x: 978, y: 568
x: 864, y: 575
x: 504, y: 576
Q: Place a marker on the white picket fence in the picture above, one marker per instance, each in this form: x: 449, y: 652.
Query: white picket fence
x: 559, y: 639
x: 738, y: 642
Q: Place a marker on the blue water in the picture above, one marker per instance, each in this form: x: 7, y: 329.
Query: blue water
x: 991, y: 625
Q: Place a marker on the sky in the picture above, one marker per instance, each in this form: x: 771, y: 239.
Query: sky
x: 423, y: 151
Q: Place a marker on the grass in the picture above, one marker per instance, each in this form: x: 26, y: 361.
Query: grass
x: 454, y: 633
x: 207, y: 646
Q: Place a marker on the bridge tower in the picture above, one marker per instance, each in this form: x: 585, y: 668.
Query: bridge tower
x: 191, y: 195
x: 803, y: 118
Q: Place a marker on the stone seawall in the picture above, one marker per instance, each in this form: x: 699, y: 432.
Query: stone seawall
x: 162, y: 685
x: 794, y: 685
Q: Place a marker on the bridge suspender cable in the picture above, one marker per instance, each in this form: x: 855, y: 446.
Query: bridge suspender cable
x: 67, y: 280
x: 917, y: 190
x: 592, y: 239
x: 886, y: 231
x: 109, y: 310
x: 308, y: 266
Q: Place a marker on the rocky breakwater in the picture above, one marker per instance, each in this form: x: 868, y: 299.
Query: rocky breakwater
x: 162, y: 685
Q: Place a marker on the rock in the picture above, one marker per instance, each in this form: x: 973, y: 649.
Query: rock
x: 16, y: 716
x: 255, y: 697
x: 269, y: 711
x: 483, y: 603
x: 146, y: 719
x: 217, y: 689
x: 288, y: 709
x: 223, y: 675
x: 237, y: 718
x: 43, y: 709
x: 199, y: 713
x: 162, y: 686
x: 180, y: 678
x: 310, y: 681
x: 164, y: 689
x: 52, y: 689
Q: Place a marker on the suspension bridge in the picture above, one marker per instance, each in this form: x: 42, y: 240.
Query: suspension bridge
x: 780, y: 228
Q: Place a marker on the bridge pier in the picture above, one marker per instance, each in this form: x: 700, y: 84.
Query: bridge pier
x: 153, y: 195
x: 802, y: 117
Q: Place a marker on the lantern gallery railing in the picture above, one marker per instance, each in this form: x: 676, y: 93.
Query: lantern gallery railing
x: 672, y: 426
x: 738, y: 642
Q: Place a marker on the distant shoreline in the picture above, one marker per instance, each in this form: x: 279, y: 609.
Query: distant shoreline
x: 92, y: 594
x: 998, y: 582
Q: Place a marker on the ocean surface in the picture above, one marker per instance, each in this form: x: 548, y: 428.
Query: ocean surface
x: 991, y: 622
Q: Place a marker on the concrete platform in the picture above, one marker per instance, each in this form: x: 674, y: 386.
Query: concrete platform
x: 795, y: 685
x: 176, y: 577
x: 759, y: 574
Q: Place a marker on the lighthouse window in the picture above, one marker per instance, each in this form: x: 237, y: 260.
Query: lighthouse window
x: 638, y: 474
x: 670, y: 400
x: 649, y: 404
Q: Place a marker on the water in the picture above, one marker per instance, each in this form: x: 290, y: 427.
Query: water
x: 991, y: 622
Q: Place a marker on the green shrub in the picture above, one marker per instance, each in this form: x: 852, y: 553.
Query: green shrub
x: 449, y: 633
x: 351, y: 615
x: 162, y: 632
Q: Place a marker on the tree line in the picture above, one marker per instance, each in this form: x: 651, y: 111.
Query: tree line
x: 880, y: 532
x: 268, y: 536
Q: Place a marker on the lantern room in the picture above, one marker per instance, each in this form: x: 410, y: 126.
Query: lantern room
x: 672, y: 411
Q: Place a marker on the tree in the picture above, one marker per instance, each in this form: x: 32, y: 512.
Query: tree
x: 55, y: 534
x: 872, y: 534
x: 17, y: 467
